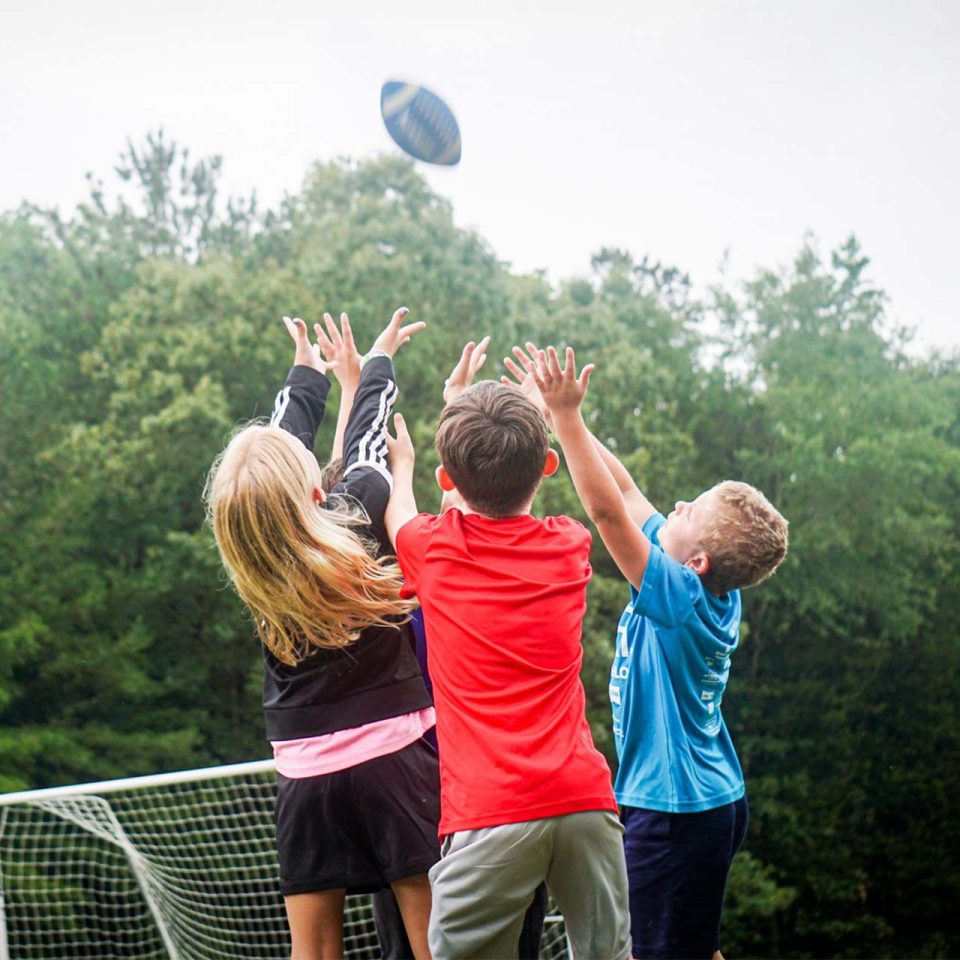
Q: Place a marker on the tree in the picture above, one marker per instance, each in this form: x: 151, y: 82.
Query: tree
x: 853, y: 441
x: 140, y: 330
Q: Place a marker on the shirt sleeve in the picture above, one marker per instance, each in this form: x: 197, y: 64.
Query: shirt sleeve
x: 669, y: 589
x: 366, y: 473
x: 412, y: 540
x: 579, y: 536
x: 301, y: 403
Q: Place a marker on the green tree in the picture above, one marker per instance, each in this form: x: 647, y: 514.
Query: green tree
x: 139, y: 331
x: 853, y: 441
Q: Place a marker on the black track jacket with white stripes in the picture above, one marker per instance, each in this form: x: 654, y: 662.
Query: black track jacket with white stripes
x: 378, y: 676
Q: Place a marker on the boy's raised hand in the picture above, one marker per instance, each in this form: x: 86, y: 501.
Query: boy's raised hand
x: 471, y: 360
x: 393, y: 336
x: 307, y: 354
x: 400, y: 450
x: 562, y: 390
x: 402, y: 505
x: 523, y: 378
x: 340, y: 351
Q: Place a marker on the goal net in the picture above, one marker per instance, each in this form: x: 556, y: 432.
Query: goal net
x: 179, y: 865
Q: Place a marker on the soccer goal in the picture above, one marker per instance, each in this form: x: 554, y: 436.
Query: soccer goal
x: 179, y: 865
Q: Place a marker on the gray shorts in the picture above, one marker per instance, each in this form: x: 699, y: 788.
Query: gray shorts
x: 486, y: 878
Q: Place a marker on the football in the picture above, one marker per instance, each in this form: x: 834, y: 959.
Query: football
x: 420, y: 123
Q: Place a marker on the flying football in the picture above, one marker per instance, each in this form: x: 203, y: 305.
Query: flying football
x: 420, y: 123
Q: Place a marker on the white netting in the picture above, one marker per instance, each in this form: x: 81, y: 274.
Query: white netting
x: 157, y: 867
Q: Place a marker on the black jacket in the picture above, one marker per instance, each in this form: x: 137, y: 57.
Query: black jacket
x: 378, y: 676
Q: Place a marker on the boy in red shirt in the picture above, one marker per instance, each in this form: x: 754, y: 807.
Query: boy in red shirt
x: 525, y: 795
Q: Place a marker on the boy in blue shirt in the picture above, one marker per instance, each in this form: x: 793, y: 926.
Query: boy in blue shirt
x: 679, y: 784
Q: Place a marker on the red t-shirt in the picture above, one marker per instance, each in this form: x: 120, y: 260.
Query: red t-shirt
x: 503, y: 604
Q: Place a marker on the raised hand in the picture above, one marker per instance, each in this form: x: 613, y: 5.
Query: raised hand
x: 393, y: 336
x: 562, y: 389
x: 523, y: 377
x: 307, y: 354
x: 400, y: 452
x: 471, y: 360
x: 402, y: 505
x: 340, y: 351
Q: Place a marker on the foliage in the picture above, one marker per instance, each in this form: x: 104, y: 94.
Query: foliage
x: 142, y: 329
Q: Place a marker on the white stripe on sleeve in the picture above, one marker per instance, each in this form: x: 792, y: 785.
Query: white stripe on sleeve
x: 372, y: 450
x: 280, y: 406
x: 380, y: 468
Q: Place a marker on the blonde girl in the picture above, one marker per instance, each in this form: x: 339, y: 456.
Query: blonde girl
x: 344, y: 700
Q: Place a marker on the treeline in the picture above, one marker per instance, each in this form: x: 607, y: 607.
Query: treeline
x: 136, y: 333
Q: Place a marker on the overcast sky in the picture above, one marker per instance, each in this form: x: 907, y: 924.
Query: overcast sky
x: 695, y: 130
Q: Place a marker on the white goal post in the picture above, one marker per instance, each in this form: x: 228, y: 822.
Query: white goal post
x: 176, y: 866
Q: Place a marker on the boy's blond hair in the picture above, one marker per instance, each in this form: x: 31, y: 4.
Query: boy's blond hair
x: 304, y: 572
x: 746, y: 538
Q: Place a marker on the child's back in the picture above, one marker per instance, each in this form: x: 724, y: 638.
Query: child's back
x: 504, y: 601
x: 525, y: 795
x: 670, y: 670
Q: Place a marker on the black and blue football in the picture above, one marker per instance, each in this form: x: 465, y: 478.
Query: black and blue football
x: 420, y: 123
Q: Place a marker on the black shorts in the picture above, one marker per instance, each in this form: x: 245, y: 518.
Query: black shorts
x: 360, y: 828
x: 677, y: 865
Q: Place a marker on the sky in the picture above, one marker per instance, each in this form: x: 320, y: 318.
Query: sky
x: 713, y: 135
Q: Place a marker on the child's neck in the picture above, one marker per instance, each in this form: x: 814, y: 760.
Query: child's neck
x: 466, y: 510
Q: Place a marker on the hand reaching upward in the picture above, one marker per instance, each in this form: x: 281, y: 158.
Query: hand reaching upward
x: 307, y: 354
x: 471, y: 360
x: 523, y: 378
x: 562, y: 389
x: 340, y: 351
x: 393, y: 336
x: 400, y: 450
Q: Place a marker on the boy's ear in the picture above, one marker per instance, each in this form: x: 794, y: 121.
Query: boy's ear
x: 552, y: 464
x: 443, y: 480
x: 699, y: 563
x: 319, y: 496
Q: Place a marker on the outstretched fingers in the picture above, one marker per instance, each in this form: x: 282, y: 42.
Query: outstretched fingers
x: 570, y: 370
x: 400, y: 447
x: 402, y: 335
x: 400, y: 427
x: 347, y: 334
x: 405, y: 333
x: 478, y: 357
x: 306, y: 354
x: 297, y: 330
x: 584, y: 378
x: 534, y: 353
x: 460, y: 368
x: 553, y: 363
x: 514, y: 371
x: 325, y: 340
x: 541, y: 376
x: 472, y: 358
x: 334, y: 334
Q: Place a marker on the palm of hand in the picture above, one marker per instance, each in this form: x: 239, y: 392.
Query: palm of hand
x: 340, y: 350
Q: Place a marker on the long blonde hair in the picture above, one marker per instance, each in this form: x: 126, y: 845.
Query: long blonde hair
x: 305, y: 572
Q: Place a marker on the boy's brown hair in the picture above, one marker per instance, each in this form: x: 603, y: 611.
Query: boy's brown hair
x: 331, y: 474
x: 493, y: 443
x: 746, y: 539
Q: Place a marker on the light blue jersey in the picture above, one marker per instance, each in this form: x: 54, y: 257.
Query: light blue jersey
x: 669, y: 673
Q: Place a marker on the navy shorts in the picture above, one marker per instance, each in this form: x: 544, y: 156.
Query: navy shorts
x: 677, y: 866
x: 360, y: 828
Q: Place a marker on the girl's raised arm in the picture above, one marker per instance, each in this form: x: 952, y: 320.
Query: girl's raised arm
x: 302, y: 401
